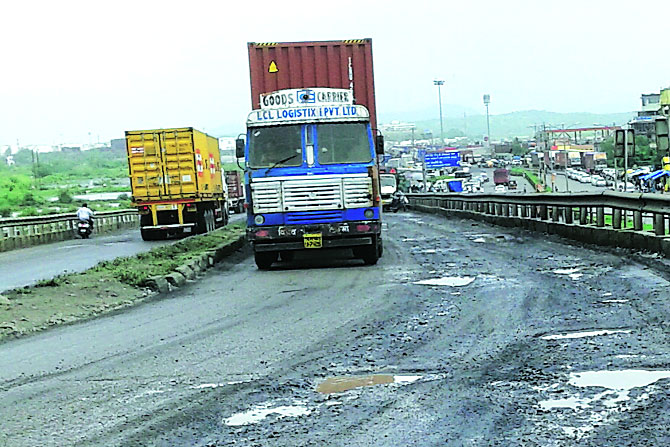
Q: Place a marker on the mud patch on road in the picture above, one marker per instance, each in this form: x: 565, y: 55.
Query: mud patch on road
x: 347, y: 383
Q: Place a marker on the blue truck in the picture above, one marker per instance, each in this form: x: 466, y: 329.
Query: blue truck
x: 311, y: 154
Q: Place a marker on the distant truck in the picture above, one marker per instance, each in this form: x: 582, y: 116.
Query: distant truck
x: 574, y: 159
x: 235, y: 186
x: 389, y: 185
x: 501, y: 177
x: 595, y: 161
x: 176, y: 182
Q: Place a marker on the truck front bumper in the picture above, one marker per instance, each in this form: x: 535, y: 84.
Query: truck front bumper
x: 290, y: 237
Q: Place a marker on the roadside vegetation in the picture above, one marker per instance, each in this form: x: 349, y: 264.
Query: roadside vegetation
x: 109, y: 286
x: 530, y: 176
x: 47, y: 183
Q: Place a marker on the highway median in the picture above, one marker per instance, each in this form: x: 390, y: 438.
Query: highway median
x: 113, y: 285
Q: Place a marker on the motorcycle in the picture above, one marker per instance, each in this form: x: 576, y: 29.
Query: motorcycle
x: 84, y: 228
x: 398, y: 203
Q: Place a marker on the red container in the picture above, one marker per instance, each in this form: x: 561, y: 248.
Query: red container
x: 289, y: 65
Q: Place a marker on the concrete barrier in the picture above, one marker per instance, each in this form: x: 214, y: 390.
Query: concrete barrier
x: 557, y: 218
x: 28, y: 231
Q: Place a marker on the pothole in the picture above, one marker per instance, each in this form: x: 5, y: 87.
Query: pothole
x: 260, y: 412
x: 451, y: 281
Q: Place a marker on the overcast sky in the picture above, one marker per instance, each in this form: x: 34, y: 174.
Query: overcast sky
x: 71, y: 68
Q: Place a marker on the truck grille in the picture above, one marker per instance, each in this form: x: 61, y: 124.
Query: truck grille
x: 308, y: 217
x: 312, y: 193
x: 357, y: 192
x: 266, y: 197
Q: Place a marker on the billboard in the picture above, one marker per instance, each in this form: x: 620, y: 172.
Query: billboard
x: 436, y: 160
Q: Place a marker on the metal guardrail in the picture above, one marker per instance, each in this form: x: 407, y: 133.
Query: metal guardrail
x: 632, y: 217
x: 22, y: 232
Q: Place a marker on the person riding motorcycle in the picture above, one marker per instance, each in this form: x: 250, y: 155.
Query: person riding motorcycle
x: 85, y: 214
x: 398, y: 201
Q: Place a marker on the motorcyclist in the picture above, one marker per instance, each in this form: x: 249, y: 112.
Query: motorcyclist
x: 85, y: 214
x: 398, y: 201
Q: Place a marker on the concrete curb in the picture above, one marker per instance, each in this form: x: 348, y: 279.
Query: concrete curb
x: 194, y: 267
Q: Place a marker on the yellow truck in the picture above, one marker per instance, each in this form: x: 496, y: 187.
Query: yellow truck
x: 176, y: 181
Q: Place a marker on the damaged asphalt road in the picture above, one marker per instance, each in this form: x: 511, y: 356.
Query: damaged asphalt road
x: 463, y: 334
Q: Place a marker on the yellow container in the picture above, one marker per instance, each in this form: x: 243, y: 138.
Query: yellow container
x: 173, y: 164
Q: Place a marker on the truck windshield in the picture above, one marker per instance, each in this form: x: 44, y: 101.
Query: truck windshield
x: 270, y: 145
x: 387, y: 180
x: 343, y: 143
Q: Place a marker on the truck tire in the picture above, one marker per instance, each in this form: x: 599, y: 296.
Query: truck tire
x: 265, y: 259
x: 202, y: 222
x: 370, y: 254
x: 155, y: 235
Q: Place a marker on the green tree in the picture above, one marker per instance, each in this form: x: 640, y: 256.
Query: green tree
x: 517, y: 148
x: 64, y: 196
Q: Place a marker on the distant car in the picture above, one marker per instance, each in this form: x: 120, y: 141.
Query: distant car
x: 629, y: 187
x: 484, y: 178
x: 500, y: 188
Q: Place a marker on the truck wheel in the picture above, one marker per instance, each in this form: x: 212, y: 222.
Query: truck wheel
x: 370, y: 254
x: 148, y: 235
x: 211, y: 220
x: 264, y: 259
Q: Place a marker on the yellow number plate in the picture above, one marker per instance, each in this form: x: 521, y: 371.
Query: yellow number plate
x: 312, y: 240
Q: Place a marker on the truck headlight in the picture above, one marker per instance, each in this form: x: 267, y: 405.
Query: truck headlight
x: 259, y: 219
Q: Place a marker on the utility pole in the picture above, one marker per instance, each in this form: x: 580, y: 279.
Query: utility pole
x: 487, y: 101
x: 439, y: 84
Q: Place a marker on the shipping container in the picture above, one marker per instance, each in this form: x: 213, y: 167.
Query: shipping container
x: 332, y: 64
x: 501, y: 177
x: 560, y: 160
x: 235, y: 187
x: 176, y: 181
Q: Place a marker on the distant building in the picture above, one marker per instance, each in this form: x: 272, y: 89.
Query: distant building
x: 10, y: 160
x: 70, y: 149
x: 227, y: 149
x: 502, y: 148
x: 397, y: 126
x: 644, y: 122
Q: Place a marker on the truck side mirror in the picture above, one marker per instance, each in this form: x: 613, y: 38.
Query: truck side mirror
x: 239, y: 148
x: 379, y: 144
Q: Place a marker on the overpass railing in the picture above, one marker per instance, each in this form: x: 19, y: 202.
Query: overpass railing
x: 26, y: 231
x: 626, y: 220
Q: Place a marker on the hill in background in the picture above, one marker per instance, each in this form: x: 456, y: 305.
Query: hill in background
x: 509, y: 125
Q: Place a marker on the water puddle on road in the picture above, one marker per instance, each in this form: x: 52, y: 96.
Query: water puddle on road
x: 567, y: 271
x: 260, y: 412
x: 618, y: 380
x: 585, y: 334
x: 617, y: 384
x: 347, y: 383
x: 451, y: 281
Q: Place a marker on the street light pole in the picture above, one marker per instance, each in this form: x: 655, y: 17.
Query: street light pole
x: 439, y: 84
x: 487, y: 101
